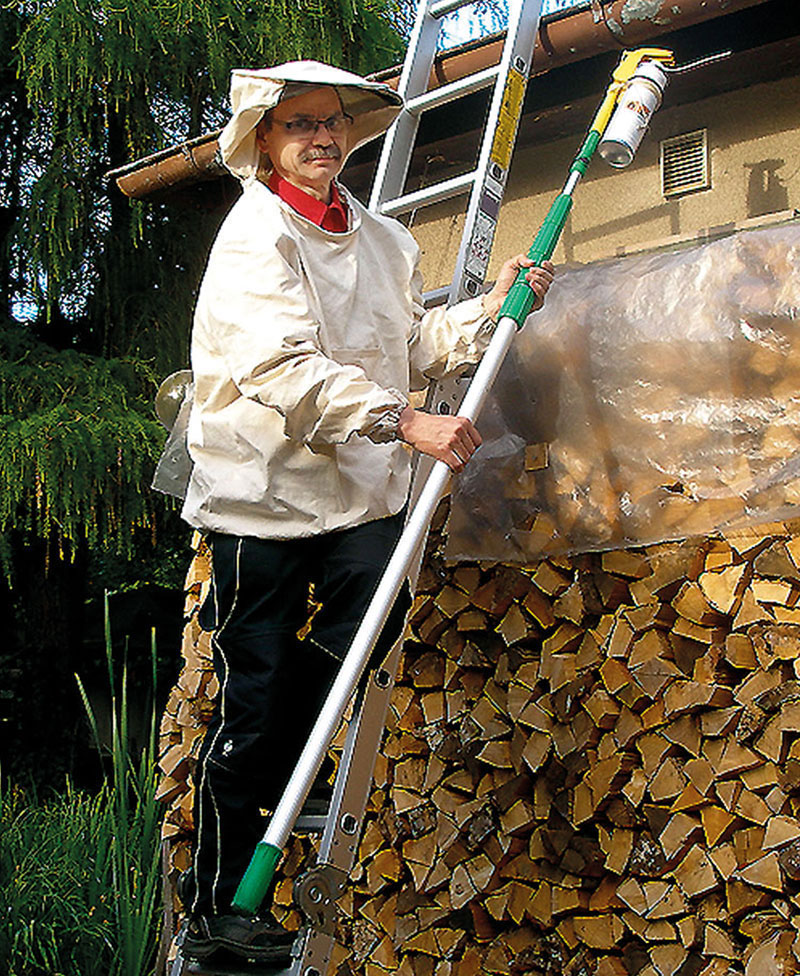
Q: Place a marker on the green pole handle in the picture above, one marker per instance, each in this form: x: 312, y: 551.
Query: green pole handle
x: 520, y: 298
x: 257, y: 878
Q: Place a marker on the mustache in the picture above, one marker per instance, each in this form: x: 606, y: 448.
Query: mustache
x: 331, y: 152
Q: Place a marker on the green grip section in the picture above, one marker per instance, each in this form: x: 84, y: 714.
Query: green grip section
x: 257, y: 878
x: 581, y: 162
x: 520, y: 298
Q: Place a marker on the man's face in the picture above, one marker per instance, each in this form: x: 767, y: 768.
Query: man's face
x: 309, y: 161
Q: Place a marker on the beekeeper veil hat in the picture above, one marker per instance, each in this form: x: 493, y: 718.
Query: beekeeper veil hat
x: 373, y: 105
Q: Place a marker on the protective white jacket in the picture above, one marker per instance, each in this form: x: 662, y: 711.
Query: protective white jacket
x: 304, y: 342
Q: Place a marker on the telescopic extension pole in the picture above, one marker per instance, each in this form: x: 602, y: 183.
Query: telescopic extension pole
x: 516, y: 308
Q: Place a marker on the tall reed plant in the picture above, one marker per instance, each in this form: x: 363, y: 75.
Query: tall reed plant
x: 79, y: 874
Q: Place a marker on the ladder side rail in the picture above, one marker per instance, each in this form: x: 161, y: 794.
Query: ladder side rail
x: 418, y: 63
x: 357, y: 765
x: 487, y: 192
x: 315, y: 954
x: 339, y: 844
x: 353, y: 782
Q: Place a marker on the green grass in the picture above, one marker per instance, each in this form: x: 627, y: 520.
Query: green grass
x: 80, y: 875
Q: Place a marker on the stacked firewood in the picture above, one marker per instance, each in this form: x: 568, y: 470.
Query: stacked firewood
x: 652, y: 398
x: 186, y: 715
x: 591, y: 766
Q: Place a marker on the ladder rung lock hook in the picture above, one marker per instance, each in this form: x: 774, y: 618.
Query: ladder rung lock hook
x: 349, y: 823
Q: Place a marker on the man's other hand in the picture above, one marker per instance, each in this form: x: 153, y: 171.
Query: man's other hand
x: 539, y: 279
x: 450, y: 439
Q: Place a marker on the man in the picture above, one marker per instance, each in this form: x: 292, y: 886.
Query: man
x: 308, y: 335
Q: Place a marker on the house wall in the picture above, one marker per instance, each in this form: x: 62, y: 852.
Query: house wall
x: 754, y: 151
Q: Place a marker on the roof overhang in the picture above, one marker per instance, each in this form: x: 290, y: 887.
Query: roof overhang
x: 593, y: 28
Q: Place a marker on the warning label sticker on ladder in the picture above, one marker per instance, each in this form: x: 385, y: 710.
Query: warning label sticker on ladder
x: 480, y: 248
x: 503, y: 144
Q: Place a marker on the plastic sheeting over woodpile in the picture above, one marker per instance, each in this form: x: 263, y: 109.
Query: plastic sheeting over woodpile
x: 655, y: 397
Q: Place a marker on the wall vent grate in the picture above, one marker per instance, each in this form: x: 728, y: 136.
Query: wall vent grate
x: 684, y: 163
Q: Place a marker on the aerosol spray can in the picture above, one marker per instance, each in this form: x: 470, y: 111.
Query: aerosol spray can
x: 641, y: 97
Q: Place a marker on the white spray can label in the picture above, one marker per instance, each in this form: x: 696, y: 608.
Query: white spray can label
x: 641, y: 97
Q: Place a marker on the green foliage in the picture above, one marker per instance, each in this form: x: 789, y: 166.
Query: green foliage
x: 88, y: 85
x: 180, y: 46
x: 53, y: 918
x: 145, y: 564
x: 107, y: 82
x: 108, y: 284
x: 80, y: 875
x: 78, y: 443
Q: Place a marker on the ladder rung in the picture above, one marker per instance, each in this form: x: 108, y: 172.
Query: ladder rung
x: 312, y: 822
x: 242, y: 968
x: 453, y: 90
x: 436, y: 296
x: 434, y: 193
x: 445, y: 7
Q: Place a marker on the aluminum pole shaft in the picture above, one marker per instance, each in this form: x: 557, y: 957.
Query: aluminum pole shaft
x: 258, y: 877
x: 302, y: 779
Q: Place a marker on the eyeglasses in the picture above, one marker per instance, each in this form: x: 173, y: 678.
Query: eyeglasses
x: 306, y: 126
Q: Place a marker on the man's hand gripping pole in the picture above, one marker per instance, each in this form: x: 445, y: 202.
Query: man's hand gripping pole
x: 516, y: 308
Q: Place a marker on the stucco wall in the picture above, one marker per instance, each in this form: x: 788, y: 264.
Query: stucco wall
x: 754, y: 148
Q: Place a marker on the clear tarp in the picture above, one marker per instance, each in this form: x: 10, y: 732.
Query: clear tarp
x: 655, y: 397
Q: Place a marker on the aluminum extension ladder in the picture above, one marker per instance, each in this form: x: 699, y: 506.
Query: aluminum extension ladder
x: 317, y: 890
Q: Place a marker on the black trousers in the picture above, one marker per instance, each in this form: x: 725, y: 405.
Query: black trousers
x: 272, y: 684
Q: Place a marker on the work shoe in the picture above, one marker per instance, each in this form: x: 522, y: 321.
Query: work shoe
x: 248, y: 938
x: 185, y: 888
